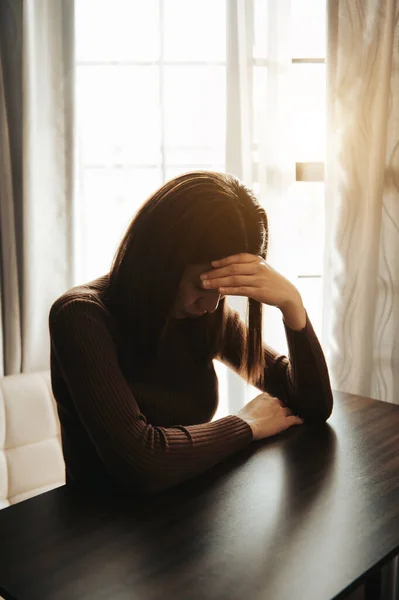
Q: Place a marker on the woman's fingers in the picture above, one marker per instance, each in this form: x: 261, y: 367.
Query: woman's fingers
x: 294, y: 420
x: 244, y: 257
x: 230, y: 282
x: 236, y: 291
x: 236, y: 275
x: 266, y: 286
x: 248, y: 268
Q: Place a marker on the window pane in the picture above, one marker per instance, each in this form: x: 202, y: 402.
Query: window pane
x: 118, y: 115
x: 221, y: 372
x: 115, y: 30
x: 259, y: 99
x: 194, y: 109
x: 260, y: 29
x: 175, y: 171
x: 303, y: 232
x: 311, y: 291
x: 200, y: 155
x: 309, y: 107
x: 108, y: 200
x: 195, y: 30
x: 308, y: 27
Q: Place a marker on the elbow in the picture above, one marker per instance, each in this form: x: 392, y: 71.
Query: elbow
x: 324, y: 414
x: 325, y: 411
x: 328, y: 405
x: 320, y: 410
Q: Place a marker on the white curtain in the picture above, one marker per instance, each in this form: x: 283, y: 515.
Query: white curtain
x: 361, y: 274
x: 258, y: 145
x: 10, y: 183
x: 37, y: 168
x: 48, y: 167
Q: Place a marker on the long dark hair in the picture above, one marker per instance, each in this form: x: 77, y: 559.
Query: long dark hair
x: 195, y: 218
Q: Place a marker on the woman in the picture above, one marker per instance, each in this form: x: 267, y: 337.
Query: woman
x: 132, y: 352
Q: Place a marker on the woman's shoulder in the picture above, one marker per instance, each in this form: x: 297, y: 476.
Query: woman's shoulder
x: 88, y: 298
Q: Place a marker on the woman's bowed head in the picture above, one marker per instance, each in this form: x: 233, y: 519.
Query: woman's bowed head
x: 200, y: 237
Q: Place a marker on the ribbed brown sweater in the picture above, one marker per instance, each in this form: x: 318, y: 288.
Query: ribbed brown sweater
x: 147, y: 433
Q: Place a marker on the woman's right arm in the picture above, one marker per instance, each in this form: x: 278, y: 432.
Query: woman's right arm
x: 142, y: 457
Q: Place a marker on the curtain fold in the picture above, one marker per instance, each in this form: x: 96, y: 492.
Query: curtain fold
x: 48, y: 84
x: 361, y: 273
x: 10, y: 185
x: 37, y: 174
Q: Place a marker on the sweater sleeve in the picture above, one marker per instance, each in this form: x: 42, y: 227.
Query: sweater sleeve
x: 140, y: 456
x: 301, y: 380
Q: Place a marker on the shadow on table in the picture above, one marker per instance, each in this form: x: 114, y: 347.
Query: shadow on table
x: 211, y: 519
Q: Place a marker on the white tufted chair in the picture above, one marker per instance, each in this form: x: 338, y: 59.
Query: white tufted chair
x: 31, y: 460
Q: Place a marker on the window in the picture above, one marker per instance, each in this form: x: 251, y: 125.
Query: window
x: 150, y: 101
x: 150, y: 96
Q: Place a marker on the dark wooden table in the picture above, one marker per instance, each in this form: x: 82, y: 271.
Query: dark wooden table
x: 307, y: 515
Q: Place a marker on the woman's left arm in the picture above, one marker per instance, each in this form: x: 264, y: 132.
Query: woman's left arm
x: 301, y: 380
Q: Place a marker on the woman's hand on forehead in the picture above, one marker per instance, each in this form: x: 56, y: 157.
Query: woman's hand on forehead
x: 251, y: 276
